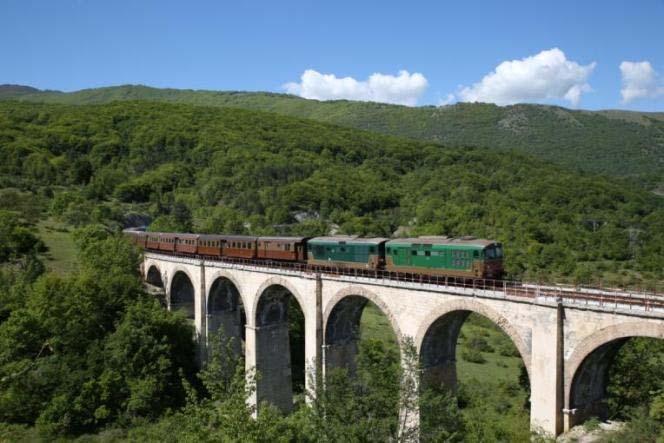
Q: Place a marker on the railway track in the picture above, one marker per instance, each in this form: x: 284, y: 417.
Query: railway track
x: 602, y: 297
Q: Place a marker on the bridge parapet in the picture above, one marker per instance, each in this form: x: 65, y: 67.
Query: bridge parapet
x: 638, y: 303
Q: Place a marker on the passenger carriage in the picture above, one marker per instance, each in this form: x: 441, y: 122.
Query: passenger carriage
x: 210, y: 245
x: 186, y: 243
x: 152, y: 241
x: 282, y: 248
x: 240, y: 246
x: 167, y: 242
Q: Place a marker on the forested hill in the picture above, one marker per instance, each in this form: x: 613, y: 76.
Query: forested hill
x: 617, y: 143
x: 229, y: 170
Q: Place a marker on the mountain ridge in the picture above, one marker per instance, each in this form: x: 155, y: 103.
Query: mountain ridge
x: 612, y: 142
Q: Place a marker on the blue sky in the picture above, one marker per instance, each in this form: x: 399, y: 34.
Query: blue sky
x: 76, y: 44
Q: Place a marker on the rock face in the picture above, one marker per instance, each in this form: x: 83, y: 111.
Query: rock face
x: 589, y: 434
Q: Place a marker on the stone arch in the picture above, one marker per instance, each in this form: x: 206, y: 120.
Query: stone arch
x: 273, y: 350
x: 437, y: 337
x: 154, y: 277
x: 274, y: 281
x: 225, y: 310
x: 222, y: 273
x: 341, y: 325
x: 182, y: 294
x: 587, y: 368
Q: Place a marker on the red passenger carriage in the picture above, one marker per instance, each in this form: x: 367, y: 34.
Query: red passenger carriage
x: 241, y: 246
x: 186, y: 243
x: 167, y: 242
x: 152, y: 241
x: 211, y: 245
x: 282, y: 248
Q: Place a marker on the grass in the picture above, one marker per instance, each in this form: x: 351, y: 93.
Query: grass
x: 497, y: 369
x: 374, y: 325
x: 61, y: 255
x: 493, y: 384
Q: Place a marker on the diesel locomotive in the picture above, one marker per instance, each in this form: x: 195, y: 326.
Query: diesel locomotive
x: 439, y: 256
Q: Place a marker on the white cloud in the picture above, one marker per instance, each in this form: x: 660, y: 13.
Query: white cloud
x: 639, y: 80
x: 544, y: 76
x: 403, y: 89
x: 448, y: 100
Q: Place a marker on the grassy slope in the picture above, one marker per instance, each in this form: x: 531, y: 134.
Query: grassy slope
x: 494, y: 382
x: 61, y: 255
x: 612, y: 142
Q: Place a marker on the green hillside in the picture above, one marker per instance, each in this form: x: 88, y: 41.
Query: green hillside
x: 617, y: 143
x: 231, y: 170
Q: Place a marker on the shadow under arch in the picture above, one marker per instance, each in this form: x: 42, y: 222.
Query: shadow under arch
x: 341, y: 322
x: 437, y: 338
x: 153, y: 277
x: 182, y: 294
x: 587, y: 369
x: 225, y: 314
x: 279, y: 330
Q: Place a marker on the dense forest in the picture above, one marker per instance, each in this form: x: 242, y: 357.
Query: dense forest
x: 619, y: 143
x: 228, y: 170
x: 87, y: 351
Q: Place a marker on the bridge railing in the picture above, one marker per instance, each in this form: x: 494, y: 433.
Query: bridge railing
x: 607, y: 298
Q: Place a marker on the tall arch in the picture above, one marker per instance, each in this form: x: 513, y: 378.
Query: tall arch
x: 182, y: 295
x: 153, y: 277
x: 225, y: 313
x: 437, y: 337
x: 342, y: 325
x: 155, y: 284
x: 274, y: 341
x: 274, y: 281
x: 587, y: 369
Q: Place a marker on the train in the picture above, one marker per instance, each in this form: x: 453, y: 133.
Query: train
x: 427, y: 255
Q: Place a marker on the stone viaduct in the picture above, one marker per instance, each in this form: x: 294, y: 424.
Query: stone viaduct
x: 566, y: 342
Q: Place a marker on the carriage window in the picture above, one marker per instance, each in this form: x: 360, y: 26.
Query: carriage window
x: 476, y: 254
x: 288, y: 247
x: 427, y: 253
x: 372, y: 249
x: 414, y: 252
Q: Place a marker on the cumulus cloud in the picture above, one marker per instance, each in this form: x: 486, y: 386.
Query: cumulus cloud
x: 544, y: 76
x: 639, y: 80
x: 402, y: 89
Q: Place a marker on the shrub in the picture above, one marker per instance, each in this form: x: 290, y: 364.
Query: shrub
x: 473, y: 356
x: 480, y: 344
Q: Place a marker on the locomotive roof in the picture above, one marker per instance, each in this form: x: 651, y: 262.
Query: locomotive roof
x: 447, y: 241
x: 350, y: 239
